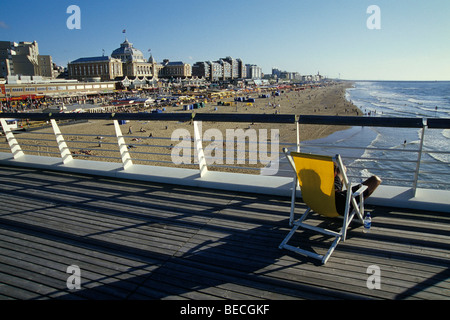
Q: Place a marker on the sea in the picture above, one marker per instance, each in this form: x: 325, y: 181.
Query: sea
x: 395, y: 159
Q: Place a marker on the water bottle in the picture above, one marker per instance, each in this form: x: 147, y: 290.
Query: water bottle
x: 367, y: 223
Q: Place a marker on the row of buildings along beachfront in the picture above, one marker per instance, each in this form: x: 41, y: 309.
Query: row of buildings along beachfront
x: 27, y: 74
x: 23, y: 59
x: 127, y: 61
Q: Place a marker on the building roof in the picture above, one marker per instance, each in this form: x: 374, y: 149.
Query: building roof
x: 127, y: 52
x: 175, y: 63
x: 92, y: 59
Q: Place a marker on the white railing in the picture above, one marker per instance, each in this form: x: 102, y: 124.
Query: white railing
x: 403, y: 167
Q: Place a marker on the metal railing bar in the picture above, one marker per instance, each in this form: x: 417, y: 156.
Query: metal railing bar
x: 226, y: 159
x: 434, y: 123
x: 384, y: 179
x: 94, y: 156
x: 438, y: 123
x: 440, y: 173
x: 150, y: 153
x: 362, y: 121
x: 380, y: 169
x: 173, y: 147
x: 103, y: 150
x: 237, y: 141
x: 328, y: 146
x: 91, y: 142
x: 87, y: 135
x: 379, y: 159
x: 435, y: 163
x: 433, y: 182
x: 37, y: 145
x: 250, y: 118
x: 224, y: 150
x: 35, y: 139
x: 233, y: 167
x: 36, y: 133
x: 438, y: 152
x: 158, y: 145
x: 162, y: 161
x: 92, y: 135
x: 147, y: 138
x: 157, y: 138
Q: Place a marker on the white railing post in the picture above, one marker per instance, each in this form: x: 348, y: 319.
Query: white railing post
x: 125, y: 155
x: 66, y: 155
x: 16, y: 150
x: 199, y: 148
x: 419, y: 158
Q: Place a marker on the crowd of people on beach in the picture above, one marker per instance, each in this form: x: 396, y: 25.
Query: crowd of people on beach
x: 107, y: 102
x: 21, y: 106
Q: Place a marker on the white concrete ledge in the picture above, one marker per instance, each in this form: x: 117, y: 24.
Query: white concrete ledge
x: 400, y: 197
x: 403, y: 197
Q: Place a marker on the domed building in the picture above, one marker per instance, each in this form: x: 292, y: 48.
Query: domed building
x: 133, y: 61
x: 127, y: 53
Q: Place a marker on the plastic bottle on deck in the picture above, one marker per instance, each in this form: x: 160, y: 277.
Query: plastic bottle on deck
x: 367, y: 223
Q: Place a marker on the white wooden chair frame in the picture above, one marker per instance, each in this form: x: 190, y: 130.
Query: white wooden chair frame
x: 358, y: 210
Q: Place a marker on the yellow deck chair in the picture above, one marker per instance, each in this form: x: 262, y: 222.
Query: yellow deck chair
x: 315, y: 176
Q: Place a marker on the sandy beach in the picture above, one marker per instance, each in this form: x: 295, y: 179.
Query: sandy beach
x: 149, y: 141
x: 316, y: 101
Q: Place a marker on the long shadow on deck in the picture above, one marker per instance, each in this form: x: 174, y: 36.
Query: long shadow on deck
x: 182, y: 242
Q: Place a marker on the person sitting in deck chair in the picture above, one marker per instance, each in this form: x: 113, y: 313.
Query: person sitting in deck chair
x: 341, y: 195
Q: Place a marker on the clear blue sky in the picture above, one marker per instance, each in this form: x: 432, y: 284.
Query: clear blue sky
x: 329, y: 36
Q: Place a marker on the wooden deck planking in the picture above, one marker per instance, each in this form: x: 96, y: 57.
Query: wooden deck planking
x: 147, y: 241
